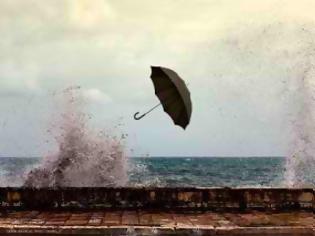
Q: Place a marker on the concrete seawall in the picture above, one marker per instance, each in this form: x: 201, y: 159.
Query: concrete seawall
x: 159, y: 198
x: 157, y: 211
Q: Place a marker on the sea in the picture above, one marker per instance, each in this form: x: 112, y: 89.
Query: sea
x: 178, y: 171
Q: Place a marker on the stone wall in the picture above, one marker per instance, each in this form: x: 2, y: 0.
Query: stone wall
x: 218, y: 199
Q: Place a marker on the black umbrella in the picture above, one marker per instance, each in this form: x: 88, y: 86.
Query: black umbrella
x: 173, y: 94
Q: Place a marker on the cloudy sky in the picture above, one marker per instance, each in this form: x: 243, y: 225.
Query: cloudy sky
x: 241, y: 59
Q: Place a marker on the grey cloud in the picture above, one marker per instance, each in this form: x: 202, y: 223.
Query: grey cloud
x: 237, y: 57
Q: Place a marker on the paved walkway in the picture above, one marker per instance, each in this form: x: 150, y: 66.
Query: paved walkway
x: 156, y: 223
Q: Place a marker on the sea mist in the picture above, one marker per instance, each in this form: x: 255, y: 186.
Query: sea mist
x: 84, y: 156
x: 300, y: 161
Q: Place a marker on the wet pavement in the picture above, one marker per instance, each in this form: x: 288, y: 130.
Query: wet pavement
x: 145, y: 222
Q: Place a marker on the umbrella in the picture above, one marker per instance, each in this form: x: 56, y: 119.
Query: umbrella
x: 173, y: 95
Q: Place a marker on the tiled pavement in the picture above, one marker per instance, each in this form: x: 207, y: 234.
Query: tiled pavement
x: 162, y: 223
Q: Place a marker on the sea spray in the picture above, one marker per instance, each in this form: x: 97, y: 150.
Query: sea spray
x: 300, y: 161
x: 84, y: 157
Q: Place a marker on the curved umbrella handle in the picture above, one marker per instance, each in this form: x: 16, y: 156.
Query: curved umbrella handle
x: 140, y: 117
x: 136, y: 117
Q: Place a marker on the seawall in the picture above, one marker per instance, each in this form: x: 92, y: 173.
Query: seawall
x: 158, y: 198
x: 157, y: 211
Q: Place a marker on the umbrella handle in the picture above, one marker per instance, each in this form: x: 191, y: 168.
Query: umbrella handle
x: 136, y: 117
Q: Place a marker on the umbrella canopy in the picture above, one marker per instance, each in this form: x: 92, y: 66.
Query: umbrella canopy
x: 173, y: 95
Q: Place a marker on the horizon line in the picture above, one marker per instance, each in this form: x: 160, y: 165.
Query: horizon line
x: 159, y: 156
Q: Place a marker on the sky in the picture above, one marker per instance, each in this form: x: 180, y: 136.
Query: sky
x: 241, y: 59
